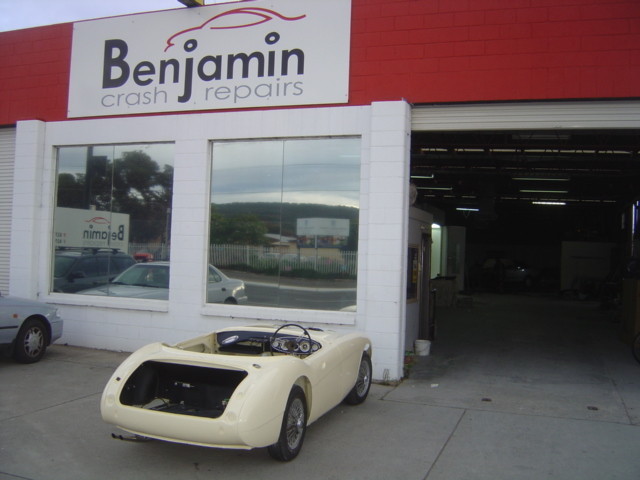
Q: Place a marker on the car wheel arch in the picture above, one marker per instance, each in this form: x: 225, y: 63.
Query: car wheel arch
x: 304, y: 383
x: 368, y: 349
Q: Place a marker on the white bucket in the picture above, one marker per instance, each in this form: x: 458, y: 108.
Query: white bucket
x: 422, y: 347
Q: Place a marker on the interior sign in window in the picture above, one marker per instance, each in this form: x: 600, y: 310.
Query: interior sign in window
x: 80, y: 228
x: 227, y: 56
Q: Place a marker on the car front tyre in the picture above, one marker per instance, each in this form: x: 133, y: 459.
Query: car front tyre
x: 31, y: 342
x: 360, y: 390
x: 294, y: 426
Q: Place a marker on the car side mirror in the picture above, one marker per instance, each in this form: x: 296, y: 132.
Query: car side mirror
x: 78, y: 274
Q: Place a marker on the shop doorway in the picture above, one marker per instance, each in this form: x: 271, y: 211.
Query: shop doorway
x: 542, y: 211
x: 546, y: 211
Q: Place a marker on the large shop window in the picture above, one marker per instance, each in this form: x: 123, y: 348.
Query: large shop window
x: 284, y: 220
x: 111, y: 223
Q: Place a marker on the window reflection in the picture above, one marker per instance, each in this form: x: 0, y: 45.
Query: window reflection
x: 284, y: 218
x: 113, y: 209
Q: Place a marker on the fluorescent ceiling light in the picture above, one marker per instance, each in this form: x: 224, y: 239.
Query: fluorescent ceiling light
x: 422, y: 176
x: 467, y: 209
x: 435, y: 188
x: 541, y: 179
x: 548, y: 203
x: 540, y: 136
x: 544, y: 191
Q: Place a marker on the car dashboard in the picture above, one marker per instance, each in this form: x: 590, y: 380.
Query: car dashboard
x: 260, y: 343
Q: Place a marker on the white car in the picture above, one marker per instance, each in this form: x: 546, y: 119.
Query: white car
x: 27, y: 328
x: 151, y: 280
x: 241, y: 387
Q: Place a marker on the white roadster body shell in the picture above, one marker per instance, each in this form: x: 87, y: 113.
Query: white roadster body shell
x: 229, y: 388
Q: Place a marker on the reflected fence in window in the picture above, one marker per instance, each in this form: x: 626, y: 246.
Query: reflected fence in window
x: 307, y: 263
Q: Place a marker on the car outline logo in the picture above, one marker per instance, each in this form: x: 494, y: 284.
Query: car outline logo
x: 263, y: 15
x: 98, y: 221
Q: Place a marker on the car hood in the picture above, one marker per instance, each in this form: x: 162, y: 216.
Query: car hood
x: 131, y: 291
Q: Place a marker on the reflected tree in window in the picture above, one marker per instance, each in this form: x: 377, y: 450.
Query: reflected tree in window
x: 112, y: 200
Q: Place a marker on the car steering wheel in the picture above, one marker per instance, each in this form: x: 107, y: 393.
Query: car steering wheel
x: 290, y: 343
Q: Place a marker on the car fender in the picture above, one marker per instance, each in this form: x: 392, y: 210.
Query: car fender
x: 265, y: 399
x: 353, y: 346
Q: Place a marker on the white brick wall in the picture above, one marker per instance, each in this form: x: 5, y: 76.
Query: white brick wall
x: 126, y: 324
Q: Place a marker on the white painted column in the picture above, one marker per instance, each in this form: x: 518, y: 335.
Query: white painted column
x: 385, y: 236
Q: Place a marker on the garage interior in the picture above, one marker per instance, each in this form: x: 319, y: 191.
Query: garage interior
x: 520, y: 194
x: 523, y: 195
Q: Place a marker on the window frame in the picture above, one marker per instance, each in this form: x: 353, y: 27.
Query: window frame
x: 280, y: 314
x: 130, y: 303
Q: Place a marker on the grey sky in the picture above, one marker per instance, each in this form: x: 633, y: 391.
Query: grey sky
x: 19, y: 14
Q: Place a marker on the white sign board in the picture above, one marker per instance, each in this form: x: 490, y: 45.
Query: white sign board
x: 329, y: 227
x: 77, y: 228
x: 227, y: 56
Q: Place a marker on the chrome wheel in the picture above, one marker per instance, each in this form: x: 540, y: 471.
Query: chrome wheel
x: 33, y: 342
x: 294, y: 426
x: 364, y: 379
x: 295, y: 423
x: 360, y: 390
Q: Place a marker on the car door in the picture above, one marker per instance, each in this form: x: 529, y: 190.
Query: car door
x: 9, y: 325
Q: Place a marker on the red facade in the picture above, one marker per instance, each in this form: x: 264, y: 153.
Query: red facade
x: 424, y: 51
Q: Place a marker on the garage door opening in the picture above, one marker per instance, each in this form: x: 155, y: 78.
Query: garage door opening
x: 551, y: 226
x: 534, y: 203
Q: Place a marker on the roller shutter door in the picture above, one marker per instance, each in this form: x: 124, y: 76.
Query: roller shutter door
x: 7, y: 154
x: 577, y: 115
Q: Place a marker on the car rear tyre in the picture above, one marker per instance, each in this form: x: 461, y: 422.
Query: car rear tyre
x: 360, y: 390
x: 294, y: 426
x: 31, y: 342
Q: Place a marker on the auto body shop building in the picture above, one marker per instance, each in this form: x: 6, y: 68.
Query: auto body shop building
x: 273, y: 140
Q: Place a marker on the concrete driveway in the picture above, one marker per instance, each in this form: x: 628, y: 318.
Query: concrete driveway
x: 491, y: 402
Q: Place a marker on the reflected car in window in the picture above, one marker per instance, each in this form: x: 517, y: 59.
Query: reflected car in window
x: 151, y: 281
x: 27, y: 328
x: 79, y: 269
